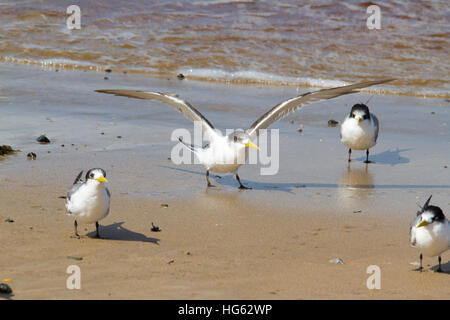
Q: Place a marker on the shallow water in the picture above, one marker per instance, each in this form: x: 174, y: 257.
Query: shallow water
x: 410, y: 157
x: 313, y: 43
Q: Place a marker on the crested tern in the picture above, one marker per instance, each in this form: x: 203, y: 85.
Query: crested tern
x: 430, y: 233
x: 88, y: 201
x: 359, y: 131
x: 222, y: 153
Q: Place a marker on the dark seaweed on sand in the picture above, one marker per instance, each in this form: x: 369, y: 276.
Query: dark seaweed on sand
x: 4, y: 150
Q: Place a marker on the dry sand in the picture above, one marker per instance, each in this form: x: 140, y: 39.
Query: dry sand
x: 216, y: 246
x: 273, y: 242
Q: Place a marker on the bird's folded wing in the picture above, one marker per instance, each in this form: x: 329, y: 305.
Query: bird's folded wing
x: 183, y: 106
x: 78, y: 178
x: 284, y: 108
x: 376, y: 125
x: 74, y: 188
x: 412, y: 230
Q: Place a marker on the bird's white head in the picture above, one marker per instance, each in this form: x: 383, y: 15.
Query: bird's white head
x: 241, y: 138
x: 360, y: 112
x: 97, y: 175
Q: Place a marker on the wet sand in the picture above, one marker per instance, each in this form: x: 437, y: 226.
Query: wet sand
x: 272, y: 242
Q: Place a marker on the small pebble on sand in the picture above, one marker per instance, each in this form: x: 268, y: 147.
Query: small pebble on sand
x: 336, y: 261
x: 43, y: 139
x: 332, y: 123
x: 75, y: 258
x: 31, y: 156
x: 155, y: 228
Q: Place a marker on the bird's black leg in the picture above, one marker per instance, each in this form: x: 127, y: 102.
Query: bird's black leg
x: 367, y: 157
x: 241, y: 186
x: 97, y: 228
x: 349, y: 155
x: 75, y: 224
x: 420, y: 268
x: 439, y: 269
x: 421, y: 258
x: 207, y: 179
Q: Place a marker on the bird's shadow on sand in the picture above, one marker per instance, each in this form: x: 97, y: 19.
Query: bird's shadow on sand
x: 388, y: 157
x: 445, y: 267
x: 6, y: 296
x: 230, y: 181
x: 117, y: 231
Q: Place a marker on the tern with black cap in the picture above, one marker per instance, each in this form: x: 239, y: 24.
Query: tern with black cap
x: 359, y: 131
x: 430, y: 233
x: 88, y: 201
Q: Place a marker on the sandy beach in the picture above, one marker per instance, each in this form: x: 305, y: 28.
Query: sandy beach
x: 272, y: 242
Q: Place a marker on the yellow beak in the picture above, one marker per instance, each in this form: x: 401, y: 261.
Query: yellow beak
x: 251, y: 145
x: 358, y: 119
x: 423, y: 223
x: 101, y: 179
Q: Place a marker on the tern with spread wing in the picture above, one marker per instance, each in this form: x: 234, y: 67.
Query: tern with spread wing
x: 224, y: 154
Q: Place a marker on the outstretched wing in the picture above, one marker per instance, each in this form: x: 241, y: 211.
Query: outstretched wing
x: 288, y: 106
x: 183, y: 106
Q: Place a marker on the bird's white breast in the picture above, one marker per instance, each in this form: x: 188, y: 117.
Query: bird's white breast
x: 358, y: 136
x: 90, y: 203
x: 432, y: 240
x: 222, y: 156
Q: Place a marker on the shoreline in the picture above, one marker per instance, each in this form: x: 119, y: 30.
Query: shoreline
x: 228, y: 78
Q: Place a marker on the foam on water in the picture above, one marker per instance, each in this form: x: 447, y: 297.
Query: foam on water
x: 258, y: 77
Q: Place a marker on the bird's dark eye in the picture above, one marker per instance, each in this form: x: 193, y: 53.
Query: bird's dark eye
x: 366, y: 117
x: 352, y: 115
x: 91, y: 175
x: 235, y: 138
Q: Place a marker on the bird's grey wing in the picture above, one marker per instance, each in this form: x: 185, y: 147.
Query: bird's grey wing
x: 412, y: 230
x: 109, y: 197
x: 183, y: 106
x: 74, y: 188
x: 377, y: 126
x: 78, y: 178
x: 284, y: 108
